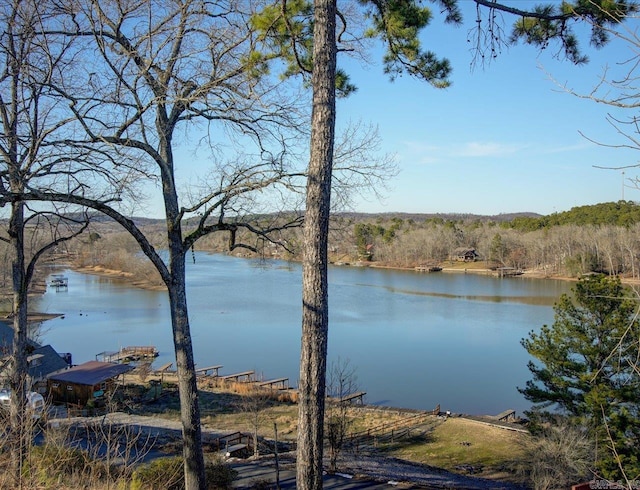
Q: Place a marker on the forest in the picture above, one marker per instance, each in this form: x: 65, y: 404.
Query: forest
x: 101, y: 98
x: 595, y: 238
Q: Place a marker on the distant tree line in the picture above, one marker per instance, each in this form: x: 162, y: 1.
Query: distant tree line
x: 599, y: 238
x: 582, y: 240
x: 621, y: 213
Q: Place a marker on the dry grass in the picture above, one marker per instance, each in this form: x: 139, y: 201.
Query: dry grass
x: 457, y: 444
x: 224, y: 407
x: 464, y: 446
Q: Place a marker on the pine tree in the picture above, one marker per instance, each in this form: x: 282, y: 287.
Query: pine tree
x: 587, y: 369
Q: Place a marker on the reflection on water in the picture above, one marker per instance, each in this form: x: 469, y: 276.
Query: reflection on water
x: 416, y: 340
x: 529, y: 300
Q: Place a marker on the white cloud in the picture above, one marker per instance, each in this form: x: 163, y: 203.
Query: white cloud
x: 429, y: 154
x: 583, y: 145
x: 488, y: 149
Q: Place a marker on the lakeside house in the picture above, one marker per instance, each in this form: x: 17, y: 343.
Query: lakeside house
x: 465, y: 254
x: 43, y: 360
x: 86, y: 383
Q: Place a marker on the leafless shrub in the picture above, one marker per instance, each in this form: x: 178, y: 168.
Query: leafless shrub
x: 97, y: 454
x: 557, y: 457
x: 167, y: 473
x: 253, y: 403
x: 342, y: 381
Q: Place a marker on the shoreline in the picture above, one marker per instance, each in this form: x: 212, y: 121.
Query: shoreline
x: 529, y: 274
x: 126, y: 277
x: 462, y: 270
x: 148, y: 285
x: 99, y: 270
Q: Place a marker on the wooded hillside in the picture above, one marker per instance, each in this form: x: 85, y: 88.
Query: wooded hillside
x: 603, y: 238
x: 599, y: 238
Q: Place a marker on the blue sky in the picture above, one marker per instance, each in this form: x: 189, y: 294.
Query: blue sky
x: 503, y: 138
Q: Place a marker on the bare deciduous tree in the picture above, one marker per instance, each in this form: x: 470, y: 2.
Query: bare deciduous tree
x: 557, y: 456
x: 398, y: 27
x: 32, y: 127
x: 253, y: 405
x: 341, y: 383
x: 142, y: 72
x: 153, y: 68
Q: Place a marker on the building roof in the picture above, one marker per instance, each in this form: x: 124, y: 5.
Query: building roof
x: 465, y: 250
x: 6, y: 338
x: 43, y: 359
x: 47, y: 361
x: 91, y: 373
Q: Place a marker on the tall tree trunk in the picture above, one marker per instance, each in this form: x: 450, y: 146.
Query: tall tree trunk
x: 192, y: 452
x: 187, y: 383
x: 315, y: 307
x: 18, y: 421
x: 194, y: 471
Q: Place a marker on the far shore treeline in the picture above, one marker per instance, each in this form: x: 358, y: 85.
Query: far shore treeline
x: 596, y: 238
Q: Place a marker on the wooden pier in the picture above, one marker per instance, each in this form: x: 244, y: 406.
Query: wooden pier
x: 164, y: 368
x: 213, y: 372
x: 209, y: 371
x: 508, y: 272
x: 129, y: 354
x: 211, y: 377
x: 246, y: 375
x: 59, y: 282
x: 506, y: 416
x: 357, y: 397
x: 427, y: 268
x: 280, y: 383
x: 504, y: 420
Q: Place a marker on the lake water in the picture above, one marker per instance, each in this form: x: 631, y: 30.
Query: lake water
x: 416, y: 340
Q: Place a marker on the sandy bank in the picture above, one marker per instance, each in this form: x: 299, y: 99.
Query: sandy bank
x: 120, y: 275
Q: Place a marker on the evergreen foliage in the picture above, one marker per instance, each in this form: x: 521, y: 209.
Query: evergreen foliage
x: 552, y: 21
x: 587, y: 368
x: 366, y: 233
x: 621, y: 213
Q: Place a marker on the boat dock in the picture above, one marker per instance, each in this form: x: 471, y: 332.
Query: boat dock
x: 209, y: 376
x: 59, y: 282
x: 357, y: 397
x: 245, y: 375
x: 504, y: 420
x: 129, y: 354
x: 281, y: 383
x: 427, y: 268
x: 164, y: 368
x: 209, y: 371
x: 508, y: 272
